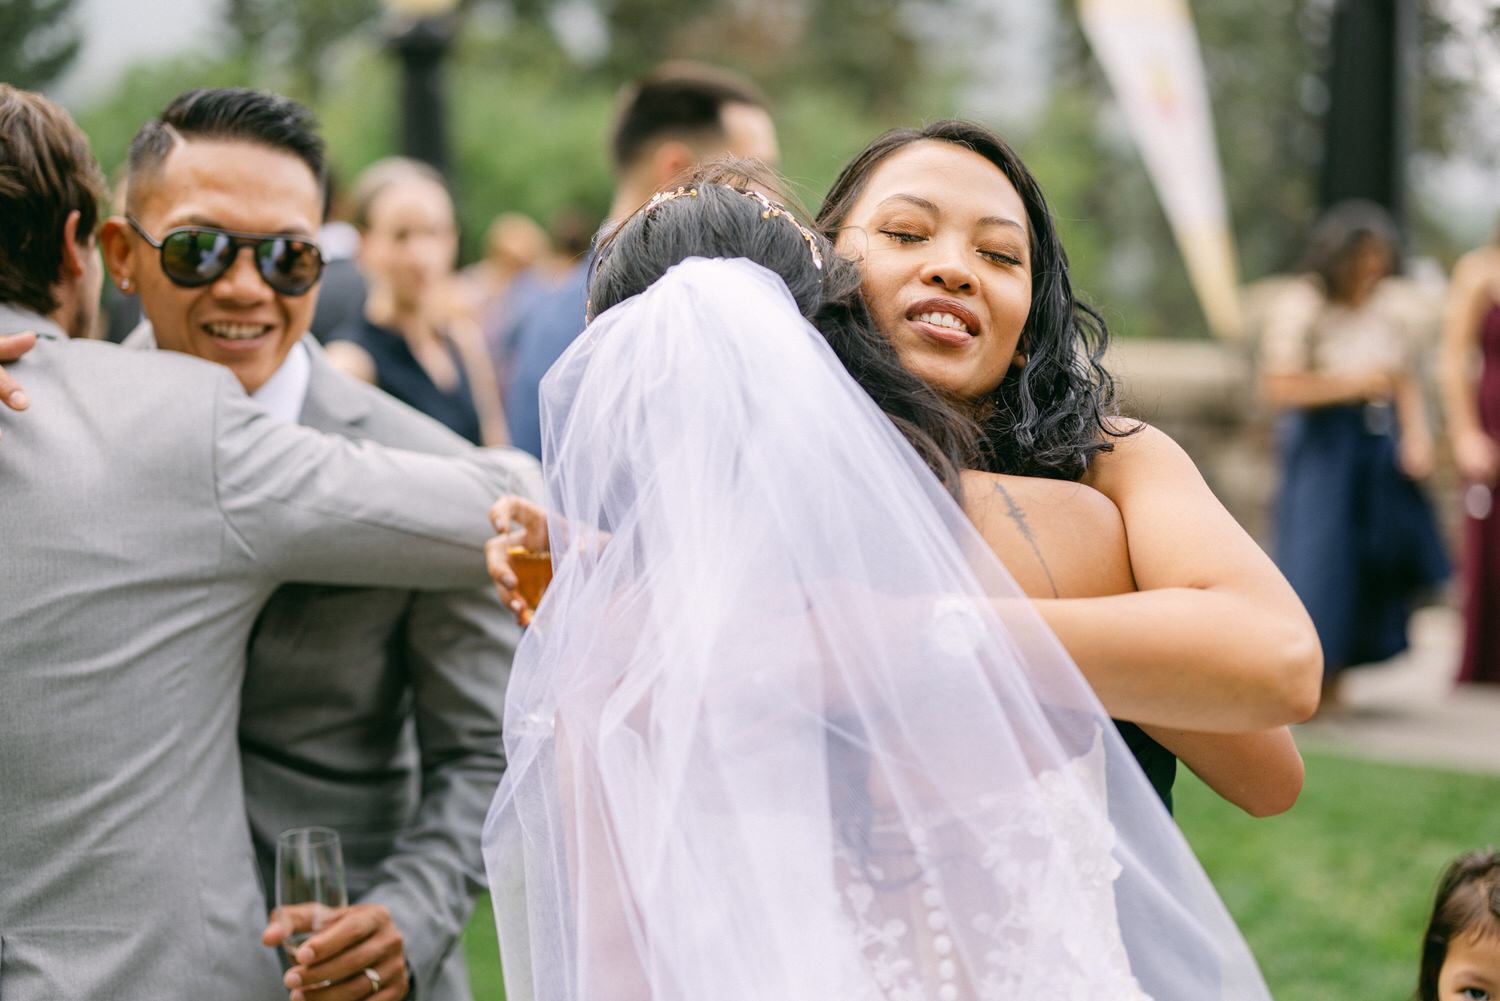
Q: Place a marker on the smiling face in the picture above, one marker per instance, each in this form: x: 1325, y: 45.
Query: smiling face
x: 411, y: 241
x: 238, y: 321
x: 945, y: 249
x: 1471, y: 970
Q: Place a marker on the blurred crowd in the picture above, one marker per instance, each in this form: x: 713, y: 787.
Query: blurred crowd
x: 375, y: 707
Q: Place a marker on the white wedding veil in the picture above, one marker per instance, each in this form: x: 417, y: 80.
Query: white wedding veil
x: 784, y: 729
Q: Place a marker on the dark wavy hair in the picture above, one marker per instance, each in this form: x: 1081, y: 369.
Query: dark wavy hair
x: 723, y: 221
x: 1467, y: 902
x: 1340, y: 234
x: 1052, y: 416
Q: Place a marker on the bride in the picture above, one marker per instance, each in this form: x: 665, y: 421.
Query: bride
x: 785, y: 728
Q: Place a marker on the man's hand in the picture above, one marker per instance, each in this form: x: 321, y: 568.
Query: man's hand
x: 355, y: 955
x: 13, y: 346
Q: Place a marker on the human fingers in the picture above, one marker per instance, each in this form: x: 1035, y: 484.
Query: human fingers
x: 348, y: 926
x: 12, y: 347
x: 1416, y: 459
x: 274, y: 934
x: 497, y: 560
x: 382, y: 981
x: 1477, y: 458
x: 294, y: 919
x: 520, y: 521
x: 363, y: 936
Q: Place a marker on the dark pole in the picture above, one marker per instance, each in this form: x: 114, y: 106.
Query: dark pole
x: 1365, y: 133
x: 424, y: 117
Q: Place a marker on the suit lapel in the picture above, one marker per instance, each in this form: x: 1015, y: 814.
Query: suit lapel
x: 334, y: 402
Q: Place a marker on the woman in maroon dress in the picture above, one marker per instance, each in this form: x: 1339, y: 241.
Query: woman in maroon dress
x: 1471, y: 399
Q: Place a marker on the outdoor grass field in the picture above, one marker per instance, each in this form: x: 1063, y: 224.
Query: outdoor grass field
x: 1331, y: 896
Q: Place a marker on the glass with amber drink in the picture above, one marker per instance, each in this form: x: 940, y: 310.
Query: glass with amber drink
x: 533, y: 570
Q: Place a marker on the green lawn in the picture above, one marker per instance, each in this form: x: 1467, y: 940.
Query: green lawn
x: 1332, y: 896
x: 482, y: 950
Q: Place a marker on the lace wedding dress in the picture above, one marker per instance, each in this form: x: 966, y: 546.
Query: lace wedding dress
x: 784, y: 729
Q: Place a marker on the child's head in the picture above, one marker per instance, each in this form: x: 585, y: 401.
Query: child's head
x: 1461, y: 952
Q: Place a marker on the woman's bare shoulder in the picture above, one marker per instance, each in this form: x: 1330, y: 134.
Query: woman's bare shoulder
x: 1002, y: 489
x: 1057, y: 537
x: 1138, y: 450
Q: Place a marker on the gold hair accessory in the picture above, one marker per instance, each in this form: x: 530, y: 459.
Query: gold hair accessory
x: 770, y: 208
x: 667, y: 196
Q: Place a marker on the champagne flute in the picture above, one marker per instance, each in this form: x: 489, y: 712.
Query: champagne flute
x: 309, y: 881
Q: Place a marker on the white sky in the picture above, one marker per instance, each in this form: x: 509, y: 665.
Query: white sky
x: 120, y: 32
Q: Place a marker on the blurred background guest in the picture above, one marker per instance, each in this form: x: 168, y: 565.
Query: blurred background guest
x: 341, y: 291
x: 1471, y: 401
x: 118, y: 313
x: 1354, y: 534
x: 514, y: 270
x: 408, y: 340
x: 669, y: 121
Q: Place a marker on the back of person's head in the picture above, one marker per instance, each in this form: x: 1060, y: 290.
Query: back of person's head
x: 721, y: 213
x: 515, y: 241
x: 718, y: 213
x: 46, y: 173
x: 383, y: 176
x: 1050, y: 419
x: 1341, y: 233
x: 683, y: 101
x: 229, y: 114
x: 1467, y: 903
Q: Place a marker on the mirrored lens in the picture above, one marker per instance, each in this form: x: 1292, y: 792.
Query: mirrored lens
x: 193, y: 257
x: 289, y: 266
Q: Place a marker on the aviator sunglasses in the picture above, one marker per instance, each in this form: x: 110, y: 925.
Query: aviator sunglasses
x: 194, y: 256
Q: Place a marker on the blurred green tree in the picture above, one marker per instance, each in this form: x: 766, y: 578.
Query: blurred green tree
x: 295, y: 38
x: 533, y: 84
x: 38, y: 41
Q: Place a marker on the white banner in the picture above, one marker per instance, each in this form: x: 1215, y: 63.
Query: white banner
x: 1149, y: 52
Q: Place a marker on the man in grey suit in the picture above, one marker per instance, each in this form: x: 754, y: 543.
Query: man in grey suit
x: 376, y: 712
x: 149, y: 510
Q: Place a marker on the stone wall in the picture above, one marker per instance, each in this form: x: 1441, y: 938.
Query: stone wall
x: 1203, y: 394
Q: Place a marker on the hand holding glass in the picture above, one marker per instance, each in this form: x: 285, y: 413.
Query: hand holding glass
x: 310, y: 887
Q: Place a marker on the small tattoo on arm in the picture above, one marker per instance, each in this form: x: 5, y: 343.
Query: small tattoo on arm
x: 1019, y: 517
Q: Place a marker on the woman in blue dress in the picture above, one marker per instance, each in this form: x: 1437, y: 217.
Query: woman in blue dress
x: 1354, y: 534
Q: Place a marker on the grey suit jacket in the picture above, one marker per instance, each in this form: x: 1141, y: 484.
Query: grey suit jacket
x: 149, y: 509
x: 377, y: 712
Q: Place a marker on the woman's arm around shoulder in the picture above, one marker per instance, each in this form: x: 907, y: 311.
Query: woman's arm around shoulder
x: 1067, y: 540
x: 1215, y: 638
x: 1260, y: 772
